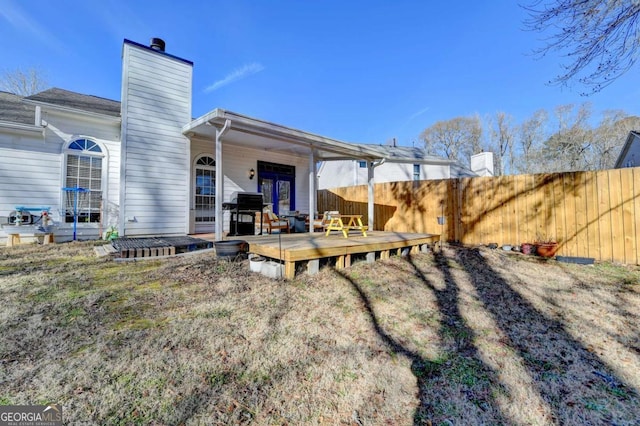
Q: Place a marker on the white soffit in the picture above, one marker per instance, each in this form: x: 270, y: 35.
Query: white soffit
x: 263, y: 135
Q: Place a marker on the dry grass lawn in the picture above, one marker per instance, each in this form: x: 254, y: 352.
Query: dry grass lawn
x: 461, y: 337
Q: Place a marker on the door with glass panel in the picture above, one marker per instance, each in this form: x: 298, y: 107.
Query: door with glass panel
x: 277, y: 184
x: 205, y: 194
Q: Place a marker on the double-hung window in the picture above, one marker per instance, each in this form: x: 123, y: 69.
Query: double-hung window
x: 83, y: 172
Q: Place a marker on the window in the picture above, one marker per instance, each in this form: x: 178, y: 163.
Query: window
x: 83, y: 171
x: 362, y: 164
x: 205, y: 189
x: 416, y: 172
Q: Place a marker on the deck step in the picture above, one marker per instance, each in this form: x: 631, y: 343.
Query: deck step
x: 104, y: 250
x: 131, y: 253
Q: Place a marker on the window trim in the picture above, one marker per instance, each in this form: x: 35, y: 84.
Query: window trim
x: 91, y: 148
x: 416, y: 172
x: 211, y: 167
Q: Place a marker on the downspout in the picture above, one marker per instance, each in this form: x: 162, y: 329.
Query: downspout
x: 370, y: 197
x: 220, y: 132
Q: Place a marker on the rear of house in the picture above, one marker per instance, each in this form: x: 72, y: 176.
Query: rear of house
x: 60, y: 139
x: 143, y: 174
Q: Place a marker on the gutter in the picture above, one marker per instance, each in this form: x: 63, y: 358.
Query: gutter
x: 22, y: 128
x: 75, y: 111
x: 263, y: 128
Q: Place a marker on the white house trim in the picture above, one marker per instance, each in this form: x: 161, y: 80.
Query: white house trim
x: 220, y: 132
x: 74, y: 111
x: 18, y: 128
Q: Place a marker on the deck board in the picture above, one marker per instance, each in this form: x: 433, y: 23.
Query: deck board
x: 293, y: 248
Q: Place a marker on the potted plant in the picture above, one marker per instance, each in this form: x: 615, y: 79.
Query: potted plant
x: 527, y: 248
x: 546, y: 246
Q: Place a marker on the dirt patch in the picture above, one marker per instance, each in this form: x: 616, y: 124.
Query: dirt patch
x: 464, y: 336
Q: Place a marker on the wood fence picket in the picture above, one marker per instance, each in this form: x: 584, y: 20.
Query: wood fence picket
x: 591, y: 214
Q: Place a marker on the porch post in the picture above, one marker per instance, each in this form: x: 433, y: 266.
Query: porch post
x: 312, y: 188
x: 219, y: 221
x: 370, y: 196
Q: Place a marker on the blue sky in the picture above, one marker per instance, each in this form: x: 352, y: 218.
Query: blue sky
x: 354, y: 71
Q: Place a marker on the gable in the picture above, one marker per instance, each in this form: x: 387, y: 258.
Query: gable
x: 630, y: 153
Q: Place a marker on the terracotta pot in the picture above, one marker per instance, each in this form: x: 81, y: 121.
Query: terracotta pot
x: 527, y: 248
x: 546, y: 249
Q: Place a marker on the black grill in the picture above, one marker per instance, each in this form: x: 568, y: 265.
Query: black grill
x: 249, y: 201
x: 243, y: 207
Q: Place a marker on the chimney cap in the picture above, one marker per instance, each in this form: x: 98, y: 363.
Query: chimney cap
x: 157, y: 44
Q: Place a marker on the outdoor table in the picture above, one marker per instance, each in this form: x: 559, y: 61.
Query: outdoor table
x: 297, y: 221
x: 354, y: 221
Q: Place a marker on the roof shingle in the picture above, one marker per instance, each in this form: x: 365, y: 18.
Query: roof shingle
x: 13, y: 110
x: 89, y: 103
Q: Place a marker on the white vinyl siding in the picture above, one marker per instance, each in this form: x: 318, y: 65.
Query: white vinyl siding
x: 29, y: 174
x: 336, y: 174
x: 156, y: 103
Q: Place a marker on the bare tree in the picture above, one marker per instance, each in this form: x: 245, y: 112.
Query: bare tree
x: 23, y: 82
x: 568, y: 149
x: 600, y: 38
x: 532, y: 134
x: 609, y: 137
x: 501, y: 137
x: 456, y: 139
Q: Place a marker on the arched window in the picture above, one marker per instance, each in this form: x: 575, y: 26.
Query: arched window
x: 205, y: 189
x: 83, y: 169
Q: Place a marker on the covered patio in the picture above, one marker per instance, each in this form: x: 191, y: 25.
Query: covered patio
x: 228, y: 133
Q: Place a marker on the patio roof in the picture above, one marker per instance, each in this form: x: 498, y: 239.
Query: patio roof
x: 259, y: 134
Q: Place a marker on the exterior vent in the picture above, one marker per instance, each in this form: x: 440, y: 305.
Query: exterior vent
x: 157, y: 44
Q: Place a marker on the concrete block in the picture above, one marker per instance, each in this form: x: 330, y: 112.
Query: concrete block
x: 255, y: 263
x: 272, y: 269
x: 313, y: 266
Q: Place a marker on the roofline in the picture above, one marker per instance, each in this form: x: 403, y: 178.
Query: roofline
x: 133, y: 43
x: 240, y: 122
x: 409, y: 160
x: 625, y: 148
x: 343, y: 150
x: 97, y: 115
x: 21, y: 128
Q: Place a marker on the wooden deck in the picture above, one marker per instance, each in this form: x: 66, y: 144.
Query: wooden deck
x: 311, y: 248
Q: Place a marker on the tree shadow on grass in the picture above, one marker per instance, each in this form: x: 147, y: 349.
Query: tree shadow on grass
x: 461, y: 367
x: 573, y: 381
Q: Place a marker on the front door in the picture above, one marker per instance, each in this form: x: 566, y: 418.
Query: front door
x: 277, y: 184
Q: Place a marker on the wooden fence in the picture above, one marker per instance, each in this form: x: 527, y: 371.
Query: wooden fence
x: 591, y: 214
